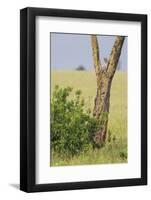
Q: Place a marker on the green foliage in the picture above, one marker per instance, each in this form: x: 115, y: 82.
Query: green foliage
x: 123, y: 155
x: 112, y: 152
x: 71, y: 123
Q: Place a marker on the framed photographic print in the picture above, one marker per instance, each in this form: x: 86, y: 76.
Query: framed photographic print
x: 83, y: 99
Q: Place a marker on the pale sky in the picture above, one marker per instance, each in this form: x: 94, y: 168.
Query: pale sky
x: 68, y: 51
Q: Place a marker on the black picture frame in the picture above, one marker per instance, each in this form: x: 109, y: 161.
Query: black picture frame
x: 28, y: 99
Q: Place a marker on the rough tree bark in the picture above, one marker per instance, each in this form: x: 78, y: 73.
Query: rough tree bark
x: 104, y: 78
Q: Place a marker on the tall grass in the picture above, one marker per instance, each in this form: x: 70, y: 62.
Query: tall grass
x: 111, y: 153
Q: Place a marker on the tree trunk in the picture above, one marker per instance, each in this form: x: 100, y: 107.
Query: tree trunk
x: 104, y: 80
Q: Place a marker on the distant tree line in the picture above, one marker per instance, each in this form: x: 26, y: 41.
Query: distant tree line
x: 80, y: 68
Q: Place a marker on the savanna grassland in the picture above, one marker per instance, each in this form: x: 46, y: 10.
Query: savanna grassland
x: 115, y: 149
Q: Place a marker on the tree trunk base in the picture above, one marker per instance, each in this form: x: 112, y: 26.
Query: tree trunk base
x: 100, y: 136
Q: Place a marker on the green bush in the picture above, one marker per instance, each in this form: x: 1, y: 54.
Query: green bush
x: 71, y: 123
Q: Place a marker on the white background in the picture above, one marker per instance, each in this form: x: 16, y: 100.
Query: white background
x: 47, y: 174
x: 9, y: 99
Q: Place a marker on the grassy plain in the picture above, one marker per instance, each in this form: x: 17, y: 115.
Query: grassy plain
x: 114, y: 151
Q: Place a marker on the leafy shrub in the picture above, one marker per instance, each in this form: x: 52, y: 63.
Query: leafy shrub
x: 123, y: 155
x: 71, y: 123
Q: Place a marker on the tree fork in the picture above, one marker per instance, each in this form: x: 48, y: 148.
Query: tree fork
x: 104, y: 80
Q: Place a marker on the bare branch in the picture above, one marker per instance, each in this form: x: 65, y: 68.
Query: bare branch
x: 114, y: 55
x: 95, y: 51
